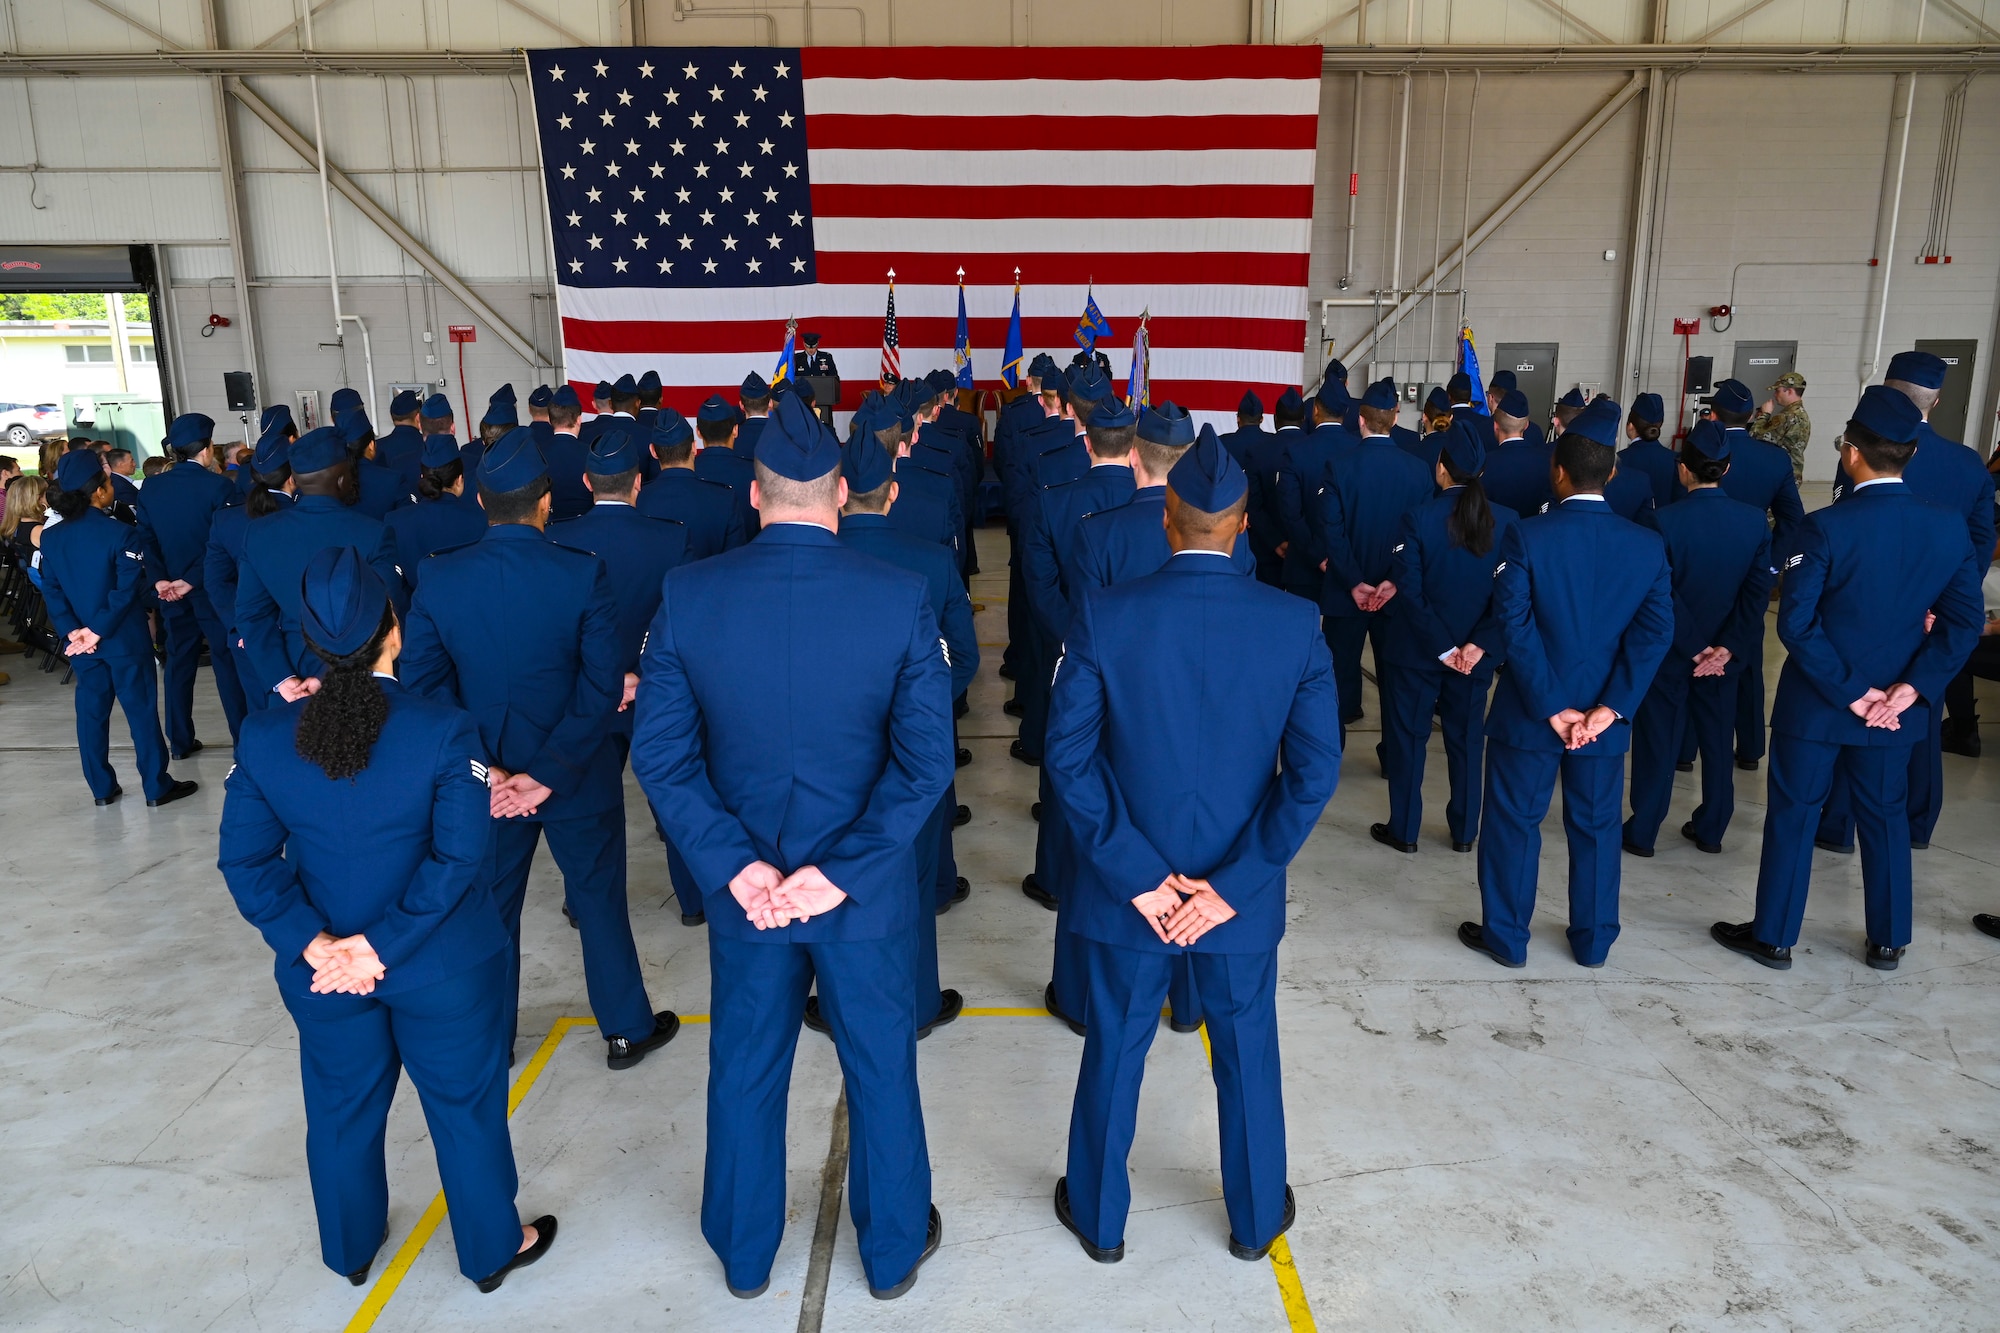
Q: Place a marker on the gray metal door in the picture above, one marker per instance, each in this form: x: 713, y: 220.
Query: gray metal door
x: 1948, y: 417
x: 1534, y: 367
x: 1757, y: 364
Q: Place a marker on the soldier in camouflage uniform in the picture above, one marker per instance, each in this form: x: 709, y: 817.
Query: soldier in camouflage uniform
x: 1782, y: 420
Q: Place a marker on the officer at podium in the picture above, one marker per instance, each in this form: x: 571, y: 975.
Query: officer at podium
x: 812, y: 361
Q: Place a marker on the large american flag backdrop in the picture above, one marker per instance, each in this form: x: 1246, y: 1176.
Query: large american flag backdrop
x: 700, y: 197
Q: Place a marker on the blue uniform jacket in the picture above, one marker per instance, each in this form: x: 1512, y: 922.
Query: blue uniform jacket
x: 707, y: 509
x: 566, y: 455
x: 794, y: 707
x: 1851, y: 616
x: 1304, y: 471
x: 224, y: 557
x: 402, y: 452
x: 392, y: 853
x: 421, y: 530
x: 1021, y: 478
x: 522, y: 633
x: 1049, y: 544
x: 1584, y: 603
x: 1946, y: 474
x: 275, y: 551
x: 1242, y: 442
x: 1192, y: 730
x: 94, y: 577
x: 1719, y: 552
x: 1358, y: 515
x: 1119, y: 545
x: 926, y: 503
x: 637, y: 553
x: 175, y: 511
x: 736, y: 471
x: 1517, y: 476
x: 379, y: 489
x: 1260, y: 470
x: 1659, y: 465
x: 1444, y: 593
x: 1425, y: 448
x: 1630, y: 495
x: 748, y: 432
x: 872, y: 534
x: 1760, y: 475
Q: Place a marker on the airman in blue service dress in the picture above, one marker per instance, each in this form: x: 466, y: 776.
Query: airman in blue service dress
x: 1260, y: 466
x: 223, y: 560
x: 521, y: 631
x: 1517, y: 468
x: 1442, y: 607
x: 753, y: 399
x: 706, y: 509
x: 377, y: 489
x: 402, y: 449
x: 176, y: 509
x: 718, y: 461
x: 1193, y: 742
x: 1585, y: 606
x: 1503, y: 382
x: 803, y: 839
x: 93, y: 578
x: 1719, y: 552
x: 1645, y: 454
x: 1860, y: 679
x: 1307, y: 464
x: 362, y: 872
x: 443, y: 517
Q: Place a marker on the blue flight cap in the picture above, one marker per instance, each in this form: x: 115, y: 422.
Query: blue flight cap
x: 716, y: 408
x: 1502, y: 381
x: 190, y: 431
x: 343, y: 400
x: 804, y: 392
x: 1334, y: 371
x: 276, y: 417
x: 1710, y: 439
x: 1599, y: 422
x: 341, y: 601
x: 941, y: 381
x: 1251, y: 405
x: 1332, y: 395
x: 1166, y: 424
x: 864, y: 463
x: 1381, y: 395
x: 754, y: 387
x: 79, y: 469
x: 1888, y: 413
x: 317, y: 450
x: 542, y: 396
x: 1465, y: 445
x: 1291, y: 402
x: 795, y: 445
x: 649, y: 382
x: 1087, y: 384
x: 513, y: 461
x: 1574, y: 398
x: 1110, y: 414
x: 274, y: 450
x: 612, y: 452
x: 1459, y: 388
x: 354, y: 427
x: 1043, y: 366
x: 1922, y: 369
x: 624, y: 387
x: 503, y: 394
x: 437, y: 407
x: 1648, y: 407
x: 565, y: 396
x: 1206, y: 477
x: 1438, y: 401
x: 782, y: 389
x: 1514, y: 403
x: 439, y: 450
x: 500, y: 414
x: 671, y: 430
x: 404, y: 404
x: 603, y: 389
x: 1731, y: 396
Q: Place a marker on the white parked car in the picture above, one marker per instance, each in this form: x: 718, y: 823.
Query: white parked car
x: 23, y: 423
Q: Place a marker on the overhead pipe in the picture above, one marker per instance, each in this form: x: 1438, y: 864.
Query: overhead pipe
x: 340, y: 317
x: 1885, y: 249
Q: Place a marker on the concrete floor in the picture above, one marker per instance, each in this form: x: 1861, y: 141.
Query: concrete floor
x: 1680, y: 1141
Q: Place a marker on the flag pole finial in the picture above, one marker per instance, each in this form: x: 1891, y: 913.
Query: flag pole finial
x: 892, y: 275
x: 961, y: 273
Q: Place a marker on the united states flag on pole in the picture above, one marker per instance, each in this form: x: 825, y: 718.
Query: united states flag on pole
x: 892, y: 365
x: 699, y: 197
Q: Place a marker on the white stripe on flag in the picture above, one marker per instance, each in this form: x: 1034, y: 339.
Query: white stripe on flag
x: 897, y: 166
x: 859, y: 363
x: 1062, y: 97
x: 927, y: 301
x: 1063, y: 235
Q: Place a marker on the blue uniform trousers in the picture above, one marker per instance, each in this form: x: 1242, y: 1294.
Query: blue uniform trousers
x: 590, y: 852
x: 130, y: 680
x: 1925, y: 783
x: 757, y: 998
x: 1018, y: 615
x: 1343, y: 639
x: 1033, y: 684
x: 1518, y: 786
x: 190, y: 622
x: 1680, y: 706
x: 451, y: 1036
x: 1410, y: 695
x: 686, y: 894
x: 1802, y: 772
x: 1240, y: 991
x: 1750, y: 702
x: 925, y: 988
x: 947, y: 860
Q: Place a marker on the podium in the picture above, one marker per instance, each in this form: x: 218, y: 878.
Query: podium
x: 826, y: 395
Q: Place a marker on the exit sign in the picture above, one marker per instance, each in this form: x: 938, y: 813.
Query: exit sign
x: 463, y: 333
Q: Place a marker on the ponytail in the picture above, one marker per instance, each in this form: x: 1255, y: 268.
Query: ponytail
x: 72, y: 505
x: 1647, y: 430
x: 260, y: 501
x: 1470, y: 523
x: 434, y: 482
x: 341, y: 723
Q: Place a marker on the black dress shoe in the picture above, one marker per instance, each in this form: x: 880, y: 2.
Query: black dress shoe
x: 1712, y: 848
x: 964, y: 756
x: 1013, y: 708
x: 1184, y: 1028
x: 545, y: 1236
x: 1035, y: 812
x: 1882, y: 958
x: 359, y: 1277
x: 1960, y: 740
x: 1738, y: 939
x: 816, y: 1020
x: 959, y: 707
x: 1827, y: 845
x: 1634, y: 849
x: 1684, y: 766
x: 1920, y: 846
x: 932, y: 1238
x: 184, y: 787
x: 950, y: 1005
x: 1381, y: 834
x: 1063, y: 1215
x: 1049, y: 1003
x: 1458, y: 846
x: 111, y: 798
x: 694, y: 918
x: 1031, y: 884
x: 1242, y: 1251
x: 748, y: 1294
x: 1747, y: 765
x: 1987, y: 924
x: 194, y: 748
x: 961, y: 816
x: 1006, y: 672
x: 623, y: 1053
x: 1474, y: 938
x: 959, y: 894
x: 1019, y: 752
x: 570, y: 916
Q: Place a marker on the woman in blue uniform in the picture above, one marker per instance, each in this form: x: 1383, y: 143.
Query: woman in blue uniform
x: 1441, y: 645
x: 94, y: 580
x: 269, y: 492
x: 444, y: 516
x: 353, y: 831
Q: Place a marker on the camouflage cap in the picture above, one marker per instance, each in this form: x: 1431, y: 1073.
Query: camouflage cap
x: 1791, y: 379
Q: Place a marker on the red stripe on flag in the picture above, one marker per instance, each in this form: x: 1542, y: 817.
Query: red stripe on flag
x: 1252, y: 268
x: 971, y: 134
x: 1062, y: 201
x: 1079, y: 63
x: 1194, y: 395
x: 759, y: 336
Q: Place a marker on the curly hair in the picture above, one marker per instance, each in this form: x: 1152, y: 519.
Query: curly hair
x: 341, y: 723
